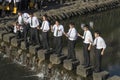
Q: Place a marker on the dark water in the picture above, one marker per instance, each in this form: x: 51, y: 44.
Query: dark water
x: 107, y: 22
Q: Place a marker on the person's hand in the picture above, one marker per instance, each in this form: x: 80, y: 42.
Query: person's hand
x: 89, y: 48
x: 102, y: 53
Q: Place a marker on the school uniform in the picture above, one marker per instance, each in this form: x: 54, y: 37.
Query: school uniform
x: 45, y: 37
x: 72, y: 37
x: 86, y: 53
x: 57, y: 33
x: 34, y: 36
x: 99, y: 45
x: 26, y: 28
x: 18, y: 4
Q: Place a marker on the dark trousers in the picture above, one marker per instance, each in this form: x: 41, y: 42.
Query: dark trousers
x: 18, y: 35
x: 45, y: 40
x: 58, y: 45
x: 71, y: 49
x: 25, y: 32
x: 98, y: 57
x: 18, y: 5
x: 34, y: 36
x: 86, y: 54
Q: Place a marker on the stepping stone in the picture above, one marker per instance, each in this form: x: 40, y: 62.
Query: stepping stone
x: 14, y: 42
x: 100, y: 75
x: 44, y: 54
x: 114, y: 78
x: 2, y: 33
x: 54, y: 59
x: 84, y: 72
x: 41, y: 55
x: 70, y: 65
x: 8, y: 37
x: 33, y: 49
x: 22, y: 46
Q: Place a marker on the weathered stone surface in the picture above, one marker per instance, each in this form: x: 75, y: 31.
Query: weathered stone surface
x: 22, y: 46
x: 41, y: 55
x: 84, y: 72
x: 70, y: 65
x: 14, y: 42
x: 114, y: 78
x: 33, y: 49
x: 54, y: 59
x: 101, y: 75
x: 2, y: 33
x: 8, y: 37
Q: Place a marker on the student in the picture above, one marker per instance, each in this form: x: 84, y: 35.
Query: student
x: 72, y: 37
x: 86, y: 45
x: 45, y: 29
x: 18, y: 30
x: 58, y: 31
x: 100, y: 47
x: 34, y: 24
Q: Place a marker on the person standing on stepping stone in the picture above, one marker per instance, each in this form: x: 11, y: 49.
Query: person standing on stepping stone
x: 86, y: 45
x: 34, y: 26
x: 45, y: 36
x: 100, y: 47
x: 72, y: 37
x: 58, y: 31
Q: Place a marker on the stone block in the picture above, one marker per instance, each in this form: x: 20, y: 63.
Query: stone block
x: 14, y: 42
x: 100, y: 75
x: 8, y: 37
x: 70, y: 65
x: 54, y: 59
x: 41, y: 55
x: 2, y: 33
x: 84, y: 72
x: 33, y: 49
x: 22, y: 45
x: 114, y: 78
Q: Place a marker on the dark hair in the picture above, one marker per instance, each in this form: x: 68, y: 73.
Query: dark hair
x: 31, y: 13
x: 57, y: 21
x: 98, y: 32
x: 45, y: 16
x: 72, y: 23
x: 87, y: 26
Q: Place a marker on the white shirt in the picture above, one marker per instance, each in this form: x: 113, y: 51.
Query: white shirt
x: 87, y: 37
x: 100, y: 43
x: 45, y: 26
x: 8, y: 1
x: 25, y: 16
x: 58, y: 30
x: 16, y: 1
x: 72, y: 34
x: 33, y: 21
x: 20, y: 20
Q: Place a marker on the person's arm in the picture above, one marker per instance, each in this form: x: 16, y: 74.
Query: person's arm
x: 104, y: 47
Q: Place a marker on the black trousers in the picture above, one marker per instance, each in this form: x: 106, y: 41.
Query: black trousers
x: 18, y: 5
x: 71, y: 49
x: 58, y: 45
x: 25, y: 33
x: 86, y: 54
x: 34, y: 36
x: 45, y: 40
x: 98, y: 58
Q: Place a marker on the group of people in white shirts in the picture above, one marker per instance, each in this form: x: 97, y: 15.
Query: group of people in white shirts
x: 57, y: 29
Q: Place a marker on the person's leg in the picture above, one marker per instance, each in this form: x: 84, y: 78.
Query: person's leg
x: 43, y: 40
x: 55, y: 45
x: 69, y: 49
x: 98, y: 61
x: 87, y: 56
x: 59, y: 45
x: 84, y: 54
x: 73, y: 50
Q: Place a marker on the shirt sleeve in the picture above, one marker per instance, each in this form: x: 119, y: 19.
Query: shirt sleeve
x: 103, y: 44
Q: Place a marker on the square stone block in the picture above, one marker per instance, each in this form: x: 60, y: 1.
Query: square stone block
x: 114, y: 78
x: 8, y: 37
